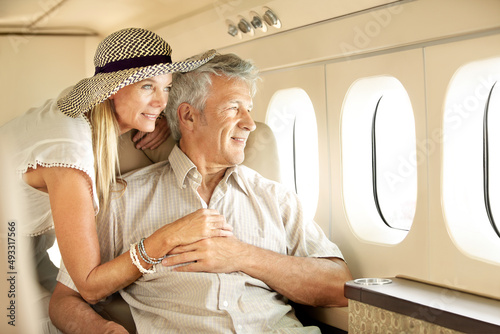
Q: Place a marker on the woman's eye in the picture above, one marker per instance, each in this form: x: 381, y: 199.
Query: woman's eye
x: 147, y: 86
x: 167, y: 89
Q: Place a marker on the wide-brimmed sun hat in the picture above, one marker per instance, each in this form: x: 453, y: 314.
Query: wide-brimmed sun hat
x: 123, y: 58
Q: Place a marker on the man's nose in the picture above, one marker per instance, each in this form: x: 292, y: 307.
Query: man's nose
x: 247, y: 121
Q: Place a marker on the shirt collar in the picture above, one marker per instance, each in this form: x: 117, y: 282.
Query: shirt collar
x: 236, y: 173
x: 183, y: 166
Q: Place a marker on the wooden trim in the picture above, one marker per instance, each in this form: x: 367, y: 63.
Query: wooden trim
x: 441, y: 306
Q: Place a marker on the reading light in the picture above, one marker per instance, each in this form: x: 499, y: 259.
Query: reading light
x: 271, y: 18
x: 257, y: 22
x: 232, y: 30
x: 244, y: 26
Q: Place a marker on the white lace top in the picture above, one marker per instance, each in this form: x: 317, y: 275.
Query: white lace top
x: 46, y: 137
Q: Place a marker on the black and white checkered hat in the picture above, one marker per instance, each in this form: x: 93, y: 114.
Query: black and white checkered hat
x: 123, y: 58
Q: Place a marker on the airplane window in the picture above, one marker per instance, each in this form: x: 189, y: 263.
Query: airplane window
x: 291, y: 117
x: 379, y: 159
x: 471, y: 159
x: 491, y: 161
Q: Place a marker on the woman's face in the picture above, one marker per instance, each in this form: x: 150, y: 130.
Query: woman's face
x: 138, y: 105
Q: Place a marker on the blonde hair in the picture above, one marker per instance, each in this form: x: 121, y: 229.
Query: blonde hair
x: 105, y: 133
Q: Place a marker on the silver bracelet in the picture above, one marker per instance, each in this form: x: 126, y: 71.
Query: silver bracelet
x: 145, y: 257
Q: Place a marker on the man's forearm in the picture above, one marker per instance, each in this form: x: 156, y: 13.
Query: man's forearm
x: 72, y: 315
x: 309, y: 281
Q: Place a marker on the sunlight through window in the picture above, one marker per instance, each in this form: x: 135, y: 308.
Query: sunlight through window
x: 379, y: 159
x: 471, y: 159
x: 293, y: 121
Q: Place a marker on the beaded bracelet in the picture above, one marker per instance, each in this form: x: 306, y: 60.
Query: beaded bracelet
x: 137, y: 262
x: 144, y: 255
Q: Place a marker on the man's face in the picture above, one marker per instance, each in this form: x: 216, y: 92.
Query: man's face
x: 224, y: 127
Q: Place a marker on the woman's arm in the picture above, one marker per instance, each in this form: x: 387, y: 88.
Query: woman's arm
x: 70, y: 194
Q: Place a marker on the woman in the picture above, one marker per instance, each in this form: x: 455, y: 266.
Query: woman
x: 66, y: 153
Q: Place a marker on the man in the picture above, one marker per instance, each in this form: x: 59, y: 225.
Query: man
x: 240, y: 283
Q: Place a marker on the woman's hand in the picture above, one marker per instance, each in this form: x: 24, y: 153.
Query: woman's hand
x: 153, y: 139
x: 201, y: 224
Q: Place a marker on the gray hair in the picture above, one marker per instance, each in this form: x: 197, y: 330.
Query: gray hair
x: 193, y: 87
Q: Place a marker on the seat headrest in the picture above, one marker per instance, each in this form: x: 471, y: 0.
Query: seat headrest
x: 261, y: 153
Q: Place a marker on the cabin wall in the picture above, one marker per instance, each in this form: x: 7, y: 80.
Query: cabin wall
x: 36, y: 68
x: 402, y: 24
x: 208, y: 29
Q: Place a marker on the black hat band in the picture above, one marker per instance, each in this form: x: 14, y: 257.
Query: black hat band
x: 129, y: 63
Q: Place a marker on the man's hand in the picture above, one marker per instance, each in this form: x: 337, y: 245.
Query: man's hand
x: 215, y: 255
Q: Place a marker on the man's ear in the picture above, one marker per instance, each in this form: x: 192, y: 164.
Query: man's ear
x: 185, y: 113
